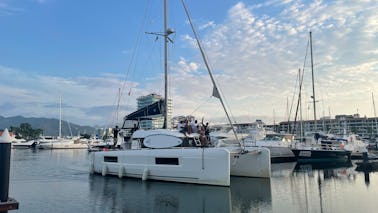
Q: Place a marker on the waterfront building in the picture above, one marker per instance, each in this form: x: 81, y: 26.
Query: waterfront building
x: 155, y: 121
x: 341, y: 124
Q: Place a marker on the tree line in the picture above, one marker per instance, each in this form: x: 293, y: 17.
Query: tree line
x: 25, y: 131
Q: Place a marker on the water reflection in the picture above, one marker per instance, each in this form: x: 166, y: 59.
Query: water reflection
x: 111, y: 194
x: 367, y: 167
x: 281, y: 170
x: 329, y: 170
x: 315, y: 177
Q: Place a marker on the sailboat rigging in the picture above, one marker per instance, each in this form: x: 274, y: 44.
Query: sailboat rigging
x: 166, y: 154
x: 215, y: 88
x: 322, y: 147
x: 313, y: 84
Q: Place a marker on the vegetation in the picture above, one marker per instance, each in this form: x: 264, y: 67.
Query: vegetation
x: 26, y: 131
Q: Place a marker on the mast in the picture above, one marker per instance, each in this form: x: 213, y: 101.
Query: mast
x: 118, y: 102
x: 313, y: 85
x: 60, y: 116
x: 215, y: 88
x: 375, y: 114
x: 300, y: 103
x: 166, y: 40
x: 287, y: 114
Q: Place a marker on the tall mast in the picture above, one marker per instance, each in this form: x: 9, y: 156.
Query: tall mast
x: 375, y: 114
x: 118, y: 102
x: 166, y: 40
x: 313, y: 85
x: 60, y: 116
x: 300, y: 103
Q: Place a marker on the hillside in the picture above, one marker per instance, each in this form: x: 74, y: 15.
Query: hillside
x: 50, y: 126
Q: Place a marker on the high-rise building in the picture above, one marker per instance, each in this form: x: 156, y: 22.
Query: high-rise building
x: 155, y: 121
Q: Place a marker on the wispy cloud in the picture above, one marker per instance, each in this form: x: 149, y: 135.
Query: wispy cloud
x: 258, y: 55
x: 255, y: 55
x: 8, y: 9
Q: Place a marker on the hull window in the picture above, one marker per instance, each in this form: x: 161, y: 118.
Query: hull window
x: 167, y: 161
x: 111, y: 159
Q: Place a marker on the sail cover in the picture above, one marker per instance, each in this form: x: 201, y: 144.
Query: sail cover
x: 150, y: 110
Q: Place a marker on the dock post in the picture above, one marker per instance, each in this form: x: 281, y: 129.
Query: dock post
x: 6, y: 203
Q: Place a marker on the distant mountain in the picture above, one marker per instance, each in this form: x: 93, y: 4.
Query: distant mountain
x: 50, y: 126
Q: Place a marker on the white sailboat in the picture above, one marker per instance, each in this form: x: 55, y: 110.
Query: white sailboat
x: 164, y: 156
x: 319, y: 147
x: 256, y: 136
x: 60, y: 142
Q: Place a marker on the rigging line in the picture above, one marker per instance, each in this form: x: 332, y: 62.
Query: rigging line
x: 300, y: 86
x: 304, y: 64
x: 210, y: 73
x: 137, y: 43
x: 292, y: 100
x: 200, y: 105
x: 132, y: 60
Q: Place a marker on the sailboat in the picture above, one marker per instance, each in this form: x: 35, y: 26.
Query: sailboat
x: 61, y: 142
x: 318, y: 146
x: 165, y: 154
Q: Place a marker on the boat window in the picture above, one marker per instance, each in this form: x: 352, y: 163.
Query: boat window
x: 112, y: 159
x: 167, y: 161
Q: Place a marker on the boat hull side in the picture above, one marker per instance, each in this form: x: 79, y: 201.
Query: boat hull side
x: 254, y: 163
x: 187, y: 165
x: 321, y: 155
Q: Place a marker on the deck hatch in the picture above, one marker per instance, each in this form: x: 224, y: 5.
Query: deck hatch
x: 111, y: 159
x: 167, y: 161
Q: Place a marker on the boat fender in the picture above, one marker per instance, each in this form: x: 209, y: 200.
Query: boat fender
x: 121, y: 171
x: 104, y: 170
x: 145, y: 174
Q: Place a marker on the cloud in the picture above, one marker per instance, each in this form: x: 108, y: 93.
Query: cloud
x: 209, y: 24
x: 256, y: 57
x: 36, y: 95
x: 254, y: 53
x: 7, y: 9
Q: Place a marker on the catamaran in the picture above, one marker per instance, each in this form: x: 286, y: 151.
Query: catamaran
x: 170, y: 155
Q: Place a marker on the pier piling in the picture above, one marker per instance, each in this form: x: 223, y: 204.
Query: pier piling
x: 6, y: 203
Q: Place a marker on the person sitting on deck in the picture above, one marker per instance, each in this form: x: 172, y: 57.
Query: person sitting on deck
x: 183, y: 127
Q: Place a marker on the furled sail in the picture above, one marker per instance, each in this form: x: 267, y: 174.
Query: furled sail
x: 156, y: 108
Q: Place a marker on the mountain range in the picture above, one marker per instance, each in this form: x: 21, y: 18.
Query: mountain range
x: 50, y: 126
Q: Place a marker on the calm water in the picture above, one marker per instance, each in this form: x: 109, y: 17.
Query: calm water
x: 58, y: 181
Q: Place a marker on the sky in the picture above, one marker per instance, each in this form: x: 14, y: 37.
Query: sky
x: 97, y: 56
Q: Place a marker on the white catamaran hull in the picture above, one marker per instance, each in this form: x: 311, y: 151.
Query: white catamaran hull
x: 187, y: 165
x: 255, y: 162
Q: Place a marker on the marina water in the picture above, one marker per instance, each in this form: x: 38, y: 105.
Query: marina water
x: 59, y: 181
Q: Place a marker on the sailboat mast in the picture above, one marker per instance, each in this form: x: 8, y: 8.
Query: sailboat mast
x: 215, y: 89
x: 60, y: 116
x: 166, y: 40
x: 375, y: 113
x: 313, y: 85
x: 118, y: 102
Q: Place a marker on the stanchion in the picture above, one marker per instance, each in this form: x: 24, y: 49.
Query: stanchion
x: 6, y: 203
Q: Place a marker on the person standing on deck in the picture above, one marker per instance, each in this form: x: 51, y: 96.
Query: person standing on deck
x: 115, y: 135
